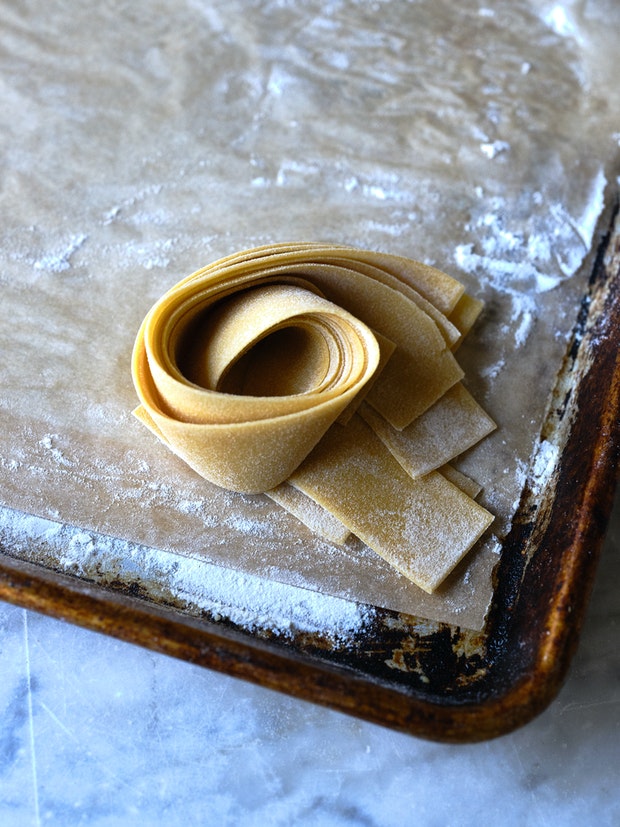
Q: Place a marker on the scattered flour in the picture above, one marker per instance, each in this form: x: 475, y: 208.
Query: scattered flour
x: 491, y: 150
x: 197, y: 587
x: 48, y: 442
x: 545, y: 463
x: 59, y: 259
x: 558, y: 18
x: 521, y: 266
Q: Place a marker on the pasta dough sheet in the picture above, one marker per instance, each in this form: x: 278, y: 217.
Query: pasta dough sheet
x: 139, y: 141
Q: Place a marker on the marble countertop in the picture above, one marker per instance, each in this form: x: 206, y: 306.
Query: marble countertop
x: 99, y: 732
x: 142, y: 140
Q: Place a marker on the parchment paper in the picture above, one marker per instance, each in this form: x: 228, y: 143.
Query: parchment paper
x: 142, y: 141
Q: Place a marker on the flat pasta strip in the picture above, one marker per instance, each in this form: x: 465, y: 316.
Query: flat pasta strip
x: 322, y: 522
x: 455, y: 423
x: 317, y: 518
x: 422, y: 527
x: 461, y: 480
x: 464, y: 316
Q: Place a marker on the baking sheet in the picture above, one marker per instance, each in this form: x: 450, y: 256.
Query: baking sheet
x: 140, y: 146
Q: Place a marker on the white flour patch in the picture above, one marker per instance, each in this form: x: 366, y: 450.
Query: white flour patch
x: 48, y: 442
x: 491, y: 150
x: 58, y: 260
x: 545, y: 463
x: 249, y: 601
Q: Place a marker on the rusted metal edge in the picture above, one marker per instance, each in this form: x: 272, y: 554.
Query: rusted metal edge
x: 549, y: 561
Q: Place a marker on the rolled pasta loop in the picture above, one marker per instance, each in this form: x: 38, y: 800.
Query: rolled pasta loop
x: 241, y: 378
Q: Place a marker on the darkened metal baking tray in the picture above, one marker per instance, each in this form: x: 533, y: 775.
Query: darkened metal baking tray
x: 430, y: 680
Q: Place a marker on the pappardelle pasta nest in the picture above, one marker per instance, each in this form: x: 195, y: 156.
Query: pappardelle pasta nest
x: 325, y: 377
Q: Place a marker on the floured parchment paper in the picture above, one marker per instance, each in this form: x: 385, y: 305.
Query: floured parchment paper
x: 141, y: 142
